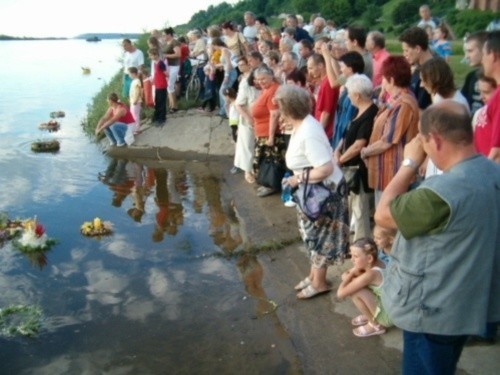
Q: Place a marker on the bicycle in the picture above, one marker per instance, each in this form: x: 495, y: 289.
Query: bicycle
x: 193, y: 87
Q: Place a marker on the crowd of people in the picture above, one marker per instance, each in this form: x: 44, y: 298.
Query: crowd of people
x: 363, y: 134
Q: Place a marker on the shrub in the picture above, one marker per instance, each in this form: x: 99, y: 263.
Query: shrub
x: 404, y: 13
x: 470, y: 20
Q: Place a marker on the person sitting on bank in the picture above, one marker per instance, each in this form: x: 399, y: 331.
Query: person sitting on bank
x: 115, y: 121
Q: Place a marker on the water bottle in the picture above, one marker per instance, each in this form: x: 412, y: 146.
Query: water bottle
x: 286, y: 190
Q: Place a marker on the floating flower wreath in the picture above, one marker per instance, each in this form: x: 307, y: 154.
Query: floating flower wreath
x: 96, y: 228
x: 20, y: 320
x: 33, y: 237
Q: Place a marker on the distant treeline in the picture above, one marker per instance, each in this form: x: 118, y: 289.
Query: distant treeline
x: 81, y: 36
x: 109, y: 36
x: 7, y: 37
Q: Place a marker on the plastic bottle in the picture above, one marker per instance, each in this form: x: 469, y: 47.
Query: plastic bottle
x: 286, y: 190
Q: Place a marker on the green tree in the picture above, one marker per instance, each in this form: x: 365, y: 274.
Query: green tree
x: 339, y: 11
x: 358, y: 7
x: 371, y: 15
x: 405, y: 12
x: 305, y: 6
x: 272, y: 7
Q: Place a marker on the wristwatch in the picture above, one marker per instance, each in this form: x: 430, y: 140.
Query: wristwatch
x: 410, y: 163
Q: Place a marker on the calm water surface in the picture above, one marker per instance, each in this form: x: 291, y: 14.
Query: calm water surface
x: 149, y: 299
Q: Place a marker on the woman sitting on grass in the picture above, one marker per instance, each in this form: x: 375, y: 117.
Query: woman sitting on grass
x: 363, y: 283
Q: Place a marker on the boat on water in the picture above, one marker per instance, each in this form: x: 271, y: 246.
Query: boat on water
x: 93, y: 39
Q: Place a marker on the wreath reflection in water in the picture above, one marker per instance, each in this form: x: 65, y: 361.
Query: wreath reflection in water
x: 20, y: 320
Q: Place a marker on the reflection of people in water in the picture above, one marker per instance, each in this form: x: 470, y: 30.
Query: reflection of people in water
x: 176, y: 187
x: 168, y: 199
x: 161, y: 200
x: 224, y: 226
x: 252, y: 274
x: 116, y: 178
x: 139, y: 192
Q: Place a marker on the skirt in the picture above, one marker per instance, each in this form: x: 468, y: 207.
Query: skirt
x: 245, y: 143
x: 327, y: 238
x: 263, y: 151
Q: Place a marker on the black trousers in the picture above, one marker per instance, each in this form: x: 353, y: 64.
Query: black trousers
x: 160, y: 113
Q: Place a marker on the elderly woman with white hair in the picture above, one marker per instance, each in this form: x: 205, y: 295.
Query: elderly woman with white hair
x: 309, y: 156
x: 347, y: 153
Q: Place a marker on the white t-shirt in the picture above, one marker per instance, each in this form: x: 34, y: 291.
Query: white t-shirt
x: 250, y: 33
x: 422, y: 24
x: 135, y: 59
x: 431, y: 168
x: 308, y: 147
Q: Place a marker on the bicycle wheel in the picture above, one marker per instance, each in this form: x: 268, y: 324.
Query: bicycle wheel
x: 193, y: 88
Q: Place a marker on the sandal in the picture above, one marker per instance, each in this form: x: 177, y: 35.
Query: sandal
x: 303, y: 284
x: 360, y: 320
x: 369, y: 329
x: 310, y: 291
x: 249, y: 178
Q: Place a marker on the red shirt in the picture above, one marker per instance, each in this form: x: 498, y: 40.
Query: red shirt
x: 128, y: 118
x: 493, y: 118
x: 159, y: 77
x: 326, y: 101
x: 184, y: 52
x: 482, y: 132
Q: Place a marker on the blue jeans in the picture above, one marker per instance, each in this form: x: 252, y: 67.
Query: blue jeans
x: 427, y: 354
x: 116, y: 133
x: 229, y: 83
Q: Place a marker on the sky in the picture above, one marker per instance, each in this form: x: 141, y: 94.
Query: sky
x: 66, y: 18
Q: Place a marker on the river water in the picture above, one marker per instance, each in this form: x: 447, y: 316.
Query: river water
x: 151, y: 298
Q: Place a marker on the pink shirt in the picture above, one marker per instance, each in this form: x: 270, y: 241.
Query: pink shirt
x: 377, y: 59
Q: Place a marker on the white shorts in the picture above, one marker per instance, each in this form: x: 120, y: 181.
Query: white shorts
x: 173, y: 72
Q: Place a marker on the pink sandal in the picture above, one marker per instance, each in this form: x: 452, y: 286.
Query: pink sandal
x: 369, y: 329
x: 360, y: 320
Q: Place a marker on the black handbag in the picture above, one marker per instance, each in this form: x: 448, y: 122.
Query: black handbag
x: 270, y: 174
x: 311, y: 198
x: 352, y: 176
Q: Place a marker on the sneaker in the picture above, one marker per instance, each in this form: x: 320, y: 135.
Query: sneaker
x: 235, y: 170
x: 264, y: 191
x: 121, y: 145
x: 112, y: 143
x: 290, y: 203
